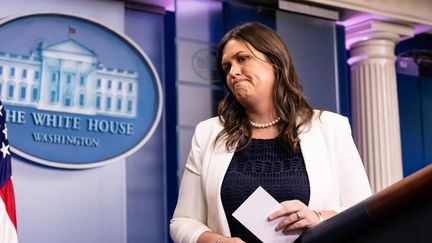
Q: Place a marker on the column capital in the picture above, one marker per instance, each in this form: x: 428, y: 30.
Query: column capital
x: 376, y: 29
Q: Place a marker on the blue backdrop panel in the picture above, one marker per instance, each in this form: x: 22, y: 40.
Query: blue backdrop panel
x: 426, y: 97
x: 171, y: 137
x: 411, y: 123
x: 343, y: 73
x: 312, y: 42
x: 236, y: 14
x: 145, y: 169
x: 415, y: 110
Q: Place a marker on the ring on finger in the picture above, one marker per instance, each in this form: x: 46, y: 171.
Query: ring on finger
x: 298, y: 216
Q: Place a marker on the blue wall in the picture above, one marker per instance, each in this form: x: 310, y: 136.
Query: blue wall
x: 312, y: 42
x: 415, y: 110
x: 315, y: 61
x: 145, y: 169
x: 171, y: 136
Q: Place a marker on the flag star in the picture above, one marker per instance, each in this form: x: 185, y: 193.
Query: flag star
x: 5, y: 132
x: 5, y: 150
x: 1, y: 108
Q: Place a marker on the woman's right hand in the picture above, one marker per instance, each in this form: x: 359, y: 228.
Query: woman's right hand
x: 232, y: 240
x: 211, y: 237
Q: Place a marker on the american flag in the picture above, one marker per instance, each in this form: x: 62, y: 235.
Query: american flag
x: 8, y: 229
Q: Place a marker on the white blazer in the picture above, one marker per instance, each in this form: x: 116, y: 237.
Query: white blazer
x: 336, y: 175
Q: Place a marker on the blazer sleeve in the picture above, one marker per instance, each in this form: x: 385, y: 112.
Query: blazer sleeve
x: 353, y: 181
x: 190, y: 216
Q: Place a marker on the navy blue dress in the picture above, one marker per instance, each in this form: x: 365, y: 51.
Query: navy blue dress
x: 265, y: 163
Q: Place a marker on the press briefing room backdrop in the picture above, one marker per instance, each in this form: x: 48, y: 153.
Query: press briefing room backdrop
x: 102, y: 98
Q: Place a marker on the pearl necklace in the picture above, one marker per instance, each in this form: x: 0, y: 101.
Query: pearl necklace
x: 264, y: 125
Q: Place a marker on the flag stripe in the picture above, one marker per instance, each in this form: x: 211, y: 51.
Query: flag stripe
x: 7, y: 195
x: 8, y: 223
x: 8, y: 234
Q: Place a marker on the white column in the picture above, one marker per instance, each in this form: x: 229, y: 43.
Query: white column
x: 375, y: 108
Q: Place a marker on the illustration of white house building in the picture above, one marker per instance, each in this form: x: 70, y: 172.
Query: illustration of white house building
x: 67, y: 77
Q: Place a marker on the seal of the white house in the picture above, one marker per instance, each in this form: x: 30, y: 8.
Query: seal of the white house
x: 204, y: 64
x: 77, y: 93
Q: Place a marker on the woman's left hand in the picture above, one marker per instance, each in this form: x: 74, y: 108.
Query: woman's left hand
x: 297, y: 216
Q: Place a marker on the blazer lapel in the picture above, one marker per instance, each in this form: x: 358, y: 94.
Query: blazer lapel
x: 218, y: 166
x: 315, y: 156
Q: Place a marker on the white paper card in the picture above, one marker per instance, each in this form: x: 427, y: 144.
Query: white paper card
x: 253, y: 215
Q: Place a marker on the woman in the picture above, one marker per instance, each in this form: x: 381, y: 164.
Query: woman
x: 266, y: 134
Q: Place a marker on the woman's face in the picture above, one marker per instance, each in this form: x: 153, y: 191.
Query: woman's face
x: 249, y: 75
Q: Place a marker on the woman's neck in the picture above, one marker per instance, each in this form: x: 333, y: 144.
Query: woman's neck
x: 263, y: 120
x: 262, y: 116
x: 265, y: 133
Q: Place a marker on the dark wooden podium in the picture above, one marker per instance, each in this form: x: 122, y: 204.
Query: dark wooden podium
x: 401, y: 212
